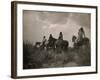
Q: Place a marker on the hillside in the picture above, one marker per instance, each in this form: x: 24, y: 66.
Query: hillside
x: 34, y: 57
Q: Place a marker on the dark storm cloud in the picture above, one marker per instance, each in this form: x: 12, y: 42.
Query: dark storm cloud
x: 53, y: 17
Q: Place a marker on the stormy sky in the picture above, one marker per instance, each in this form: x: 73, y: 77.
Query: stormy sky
x: 37, y: 24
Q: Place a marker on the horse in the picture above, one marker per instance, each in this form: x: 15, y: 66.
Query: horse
x: 51, y: 43
x: 37, y: 44
x: 48, y: 44
x: 61, y: 45
x: 77, y: 44
x: 41, y: 45
x: 55, y: 44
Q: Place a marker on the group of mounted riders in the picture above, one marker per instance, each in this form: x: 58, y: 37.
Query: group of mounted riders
x: 53, y: 43
x: 63, y: 44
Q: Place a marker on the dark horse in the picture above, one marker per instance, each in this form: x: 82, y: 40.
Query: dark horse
x: 51, y: 43
x: 57, y: 44
x: 61, y: 45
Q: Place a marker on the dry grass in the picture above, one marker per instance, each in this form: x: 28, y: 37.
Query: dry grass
x: 36, y: 58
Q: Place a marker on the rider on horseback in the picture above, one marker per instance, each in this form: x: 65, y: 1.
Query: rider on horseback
x: 60, y: 36
x: 50, y: 37
x: 81, y: 34
x: 44, y: 41
x: 51, y: 42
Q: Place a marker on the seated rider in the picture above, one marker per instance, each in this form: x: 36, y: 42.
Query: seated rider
x: 60, y: 36
x: 74, y: 40
x: 81, y: 34
x: 50, y: 37
x: 44, y: 41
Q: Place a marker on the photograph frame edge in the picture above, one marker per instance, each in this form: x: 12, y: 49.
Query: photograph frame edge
x: 14, y: 38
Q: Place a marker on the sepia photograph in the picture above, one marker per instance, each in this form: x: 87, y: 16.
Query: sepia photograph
x: 53, y: 39
x: 56, y: 39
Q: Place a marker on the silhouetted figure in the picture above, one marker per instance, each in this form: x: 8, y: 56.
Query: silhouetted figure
x: 60, y: 36
x: 81, y: 39
x: 50, y: 37
x: 74, y: 40
x: 51, y: 42
x: 81, y: 34
x: 44, y: 41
